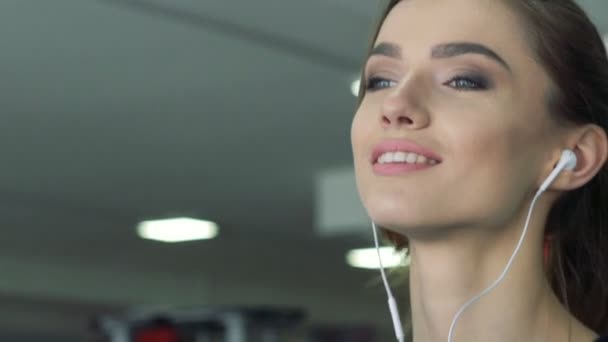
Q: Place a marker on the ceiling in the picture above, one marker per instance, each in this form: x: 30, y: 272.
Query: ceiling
x: 116, y: 111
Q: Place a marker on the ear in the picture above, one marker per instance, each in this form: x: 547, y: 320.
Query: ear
x: 590, y: 144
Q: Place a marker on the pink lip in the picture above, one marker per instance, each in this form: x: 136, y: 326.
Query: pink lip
x: 394, y: 145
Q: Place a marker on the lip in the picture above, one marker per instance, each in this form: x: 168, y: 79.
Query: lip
x: 394, y: 145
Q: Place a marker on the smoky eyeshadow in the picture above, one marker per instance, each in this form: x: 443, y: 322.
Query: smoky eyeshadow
x: 479, y: 78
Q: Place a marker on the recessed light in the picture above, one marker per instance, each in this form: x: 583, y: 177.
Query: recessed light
x: 354, y: 87
x: 178, y: 229
x: 368, y: 258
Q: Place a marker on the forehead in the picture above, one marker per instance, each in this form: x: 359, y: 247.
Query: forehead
x: 423, y: 23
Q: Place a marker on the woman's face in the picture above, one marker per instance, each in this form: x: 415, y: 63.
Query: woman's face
x: 458, y: 78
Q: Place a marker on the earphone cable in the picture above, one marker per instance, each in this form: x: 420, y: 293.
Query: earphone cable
x: 392, y: 304
x: 504, y: 272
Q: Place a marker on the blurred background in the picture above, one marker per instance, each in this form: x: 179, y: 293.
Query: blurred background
x: 237, y: 112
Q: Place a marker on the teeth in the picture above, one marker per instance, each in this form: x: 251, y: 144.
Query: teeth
x: 383, y: 158
x: 404, y: 157
x: 400, y: 157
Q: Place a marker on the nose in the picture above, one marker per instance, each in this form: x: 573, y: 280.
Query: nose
x: 404, y: 107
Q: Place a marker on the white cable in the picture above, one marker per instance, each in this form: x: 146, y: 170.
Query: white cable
x: 392, y: 304
x: 504, y: 272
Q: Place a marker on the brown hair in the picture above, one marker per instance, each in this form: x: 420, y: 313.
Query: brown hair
x: 570, y: 49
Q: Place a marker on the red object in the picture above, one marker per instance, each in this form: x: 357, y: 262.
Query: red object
x: 157, y: 334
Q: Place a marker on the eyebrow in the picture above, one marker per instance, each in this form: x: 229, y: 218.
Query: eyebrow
x: 443, y: 51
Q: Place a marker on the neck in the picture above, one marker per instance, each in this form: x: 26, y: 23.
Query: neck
x: 446, y: 274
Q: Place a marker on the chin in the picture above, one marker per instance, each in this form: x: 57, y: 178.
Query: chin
x: 398, y: 218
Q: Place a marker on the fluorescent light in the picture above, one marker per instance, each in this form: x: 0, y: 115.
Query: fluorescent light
x: 177, y: 230
x: 354, y: 87
x: 368, y: 258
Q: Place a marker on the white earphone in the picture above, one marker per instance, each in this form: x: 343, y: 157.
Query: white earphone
x: 567, y: 161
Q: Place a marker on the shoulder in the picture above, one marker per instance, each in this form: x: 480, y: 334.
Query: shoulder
x: 602, y: 339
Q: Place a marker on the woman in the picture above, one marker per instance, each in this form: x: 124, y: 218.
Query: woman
x: 488, y: 93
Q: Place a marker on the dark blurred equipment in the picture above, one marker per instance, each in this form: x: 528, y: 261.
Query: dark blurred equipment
x: 354, y: 333
x: 207, y: 324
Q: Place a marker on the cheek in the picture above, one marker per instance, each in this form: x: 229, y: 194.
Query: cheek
x: 491, y: 170
x: 355, y: 131
x: 361, y: 131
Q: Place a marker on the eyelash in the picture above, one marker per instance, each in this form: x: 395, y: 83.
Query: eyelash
x: 474, y: 83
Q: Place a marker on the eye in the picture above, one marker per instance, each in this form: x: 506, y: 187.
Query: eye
x: 468, y: 83
x: 377, y: 83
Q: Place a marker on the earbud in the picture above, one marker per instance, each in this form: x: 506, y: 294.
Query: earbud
x: 566, y: 162
x: 571, y: 159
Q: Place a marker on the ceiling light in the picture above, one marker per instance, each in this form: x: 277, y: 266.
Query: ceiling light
x: 368, y: 258
x: 177, y: 229
x: 354, y: 87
